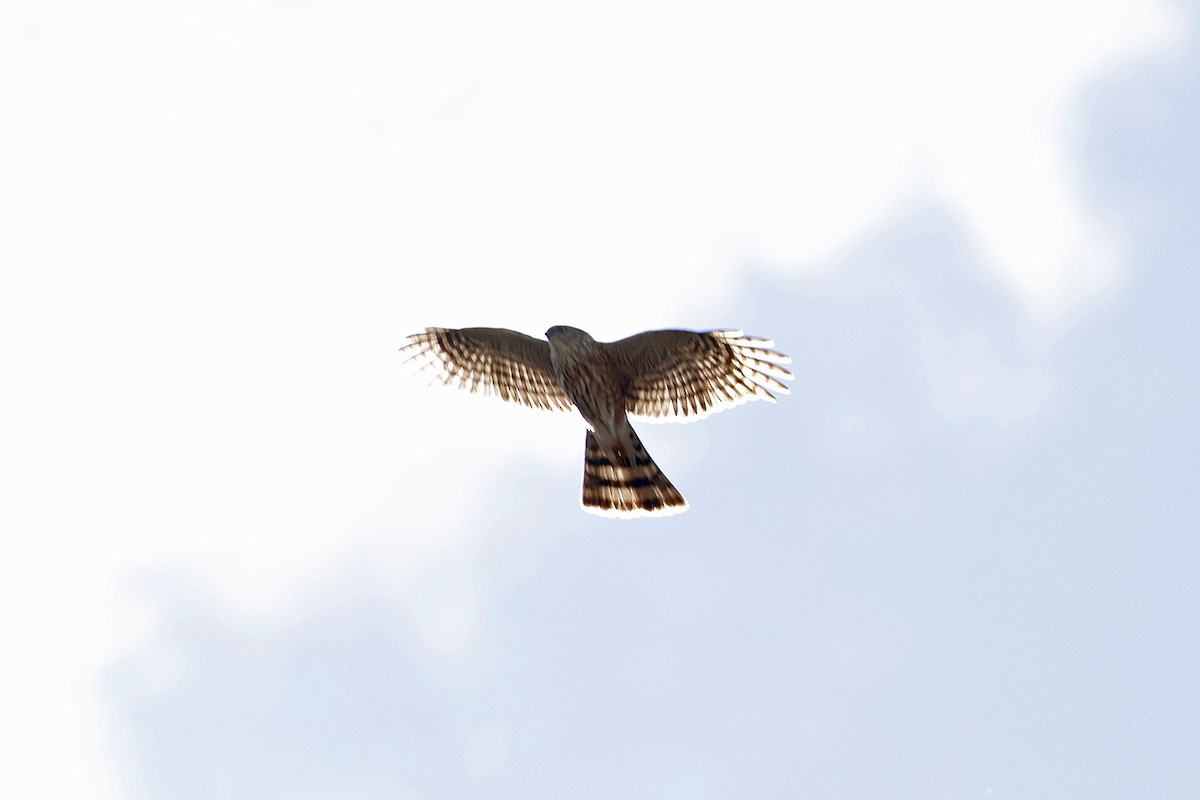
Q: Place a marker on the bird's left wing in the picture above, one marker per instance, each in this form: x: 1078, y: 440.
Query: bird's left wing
x: 679, y: 376
x: 495, y: 361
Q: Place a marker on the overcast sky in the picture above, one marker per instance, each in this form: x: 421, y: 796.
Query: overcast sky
x: 247, y: 556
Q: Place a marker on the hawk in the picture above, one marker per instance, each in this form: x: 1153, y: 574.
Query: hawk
x: 660, y: 376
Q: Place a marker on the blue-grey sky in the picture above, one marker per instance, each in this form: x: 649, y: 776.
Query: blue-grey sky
x: 250, y: 559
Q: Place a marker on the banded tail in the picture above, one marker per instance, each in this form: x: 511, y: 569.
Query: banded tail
x: 633, y: 487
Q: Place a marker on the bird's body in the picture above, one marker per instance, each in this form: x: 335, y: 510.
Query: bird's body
x: 658, y: 374
x: 618, y: 473
x: 593, y: 384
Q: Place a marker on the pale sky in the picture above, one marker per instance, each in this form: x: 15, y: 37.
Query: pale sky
x: 249, y: 556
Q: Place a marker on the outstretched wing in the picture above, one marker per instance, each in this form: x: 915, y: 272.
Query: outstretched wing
x: 495, y: 361
x: 682, y: 376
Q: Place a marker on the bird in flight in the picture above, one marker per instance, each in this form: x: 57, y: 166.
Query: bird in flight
x: 659, y: 376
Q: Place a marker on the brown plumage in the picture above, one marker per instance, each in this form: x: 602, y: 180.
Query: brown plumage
x: 669, y: 375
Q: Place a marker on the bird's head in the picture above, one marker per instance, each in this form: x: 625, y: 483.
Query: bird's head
x: 568, y: 335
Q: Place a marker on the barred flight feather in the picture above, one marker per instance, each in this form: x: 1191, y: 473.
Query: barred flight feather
x: 491, y: 361
x: 683, y: 376
x: 634, y: 488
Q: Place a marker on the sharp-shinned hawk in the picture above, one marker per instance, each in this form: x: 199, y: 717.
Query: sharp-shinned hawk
x: 660, y: 376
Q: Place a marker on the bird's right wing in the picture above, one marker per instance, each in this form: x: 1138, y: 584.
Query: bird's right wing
x: 495, y: 361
